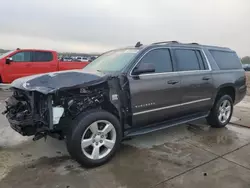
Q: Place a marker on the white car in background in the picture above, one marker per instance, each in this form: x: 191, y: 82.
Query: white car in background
x: 82, y: 59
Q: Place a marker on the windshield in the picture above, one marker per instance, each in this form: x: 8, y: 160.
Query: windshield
x: 5, y: 54
x: 112, y: 61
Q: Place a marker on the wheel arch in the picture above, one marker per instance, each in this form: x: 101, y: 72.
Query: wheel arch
x: 109, y: 107
x: 228, y: 89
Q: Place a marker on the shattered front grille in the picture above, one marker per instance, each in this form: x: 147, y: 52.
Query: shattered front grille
x: 18, y: 106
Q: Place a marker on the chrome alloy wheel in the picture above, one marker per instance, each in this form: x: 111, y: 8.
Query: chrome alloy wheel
x: 98, y: 139
x: 224, y: 111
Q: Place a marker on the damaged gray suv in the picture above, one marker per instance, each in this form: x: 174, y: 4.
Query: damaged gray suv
x: 128, y: 92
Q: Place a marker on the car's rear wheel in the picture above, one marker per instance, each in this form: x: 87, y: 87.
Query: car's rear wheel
x: 221, y: 112
x: 94, y: 138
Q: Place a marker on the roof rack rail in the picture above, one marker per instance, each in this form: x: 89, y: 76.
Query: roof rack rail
x: 165, y: 42
x: 194, y: 43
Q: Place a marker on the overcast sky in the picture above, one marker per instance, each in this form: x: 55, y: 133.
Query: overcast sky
x: 100, y: 25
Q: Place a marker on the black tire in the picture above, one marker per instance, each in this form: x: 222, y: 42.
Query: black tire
x: 213, y: 118
x: 77, y: 129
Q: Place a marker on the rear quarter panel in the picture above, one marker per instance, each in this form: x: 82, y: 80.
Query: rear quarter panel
x: 234, y: 78
x: 222, y: 78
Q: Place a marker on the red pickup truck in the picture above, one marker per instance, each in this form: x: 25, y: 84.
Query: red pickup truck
x: 25, y: 62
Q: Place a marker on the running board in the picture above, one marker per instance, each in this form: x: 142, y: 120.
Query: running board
x: 156, y: 127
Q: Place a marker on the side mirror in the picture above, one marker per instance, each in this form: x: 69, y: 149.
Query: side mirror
x: 9, y: 60
x: 144, y: 68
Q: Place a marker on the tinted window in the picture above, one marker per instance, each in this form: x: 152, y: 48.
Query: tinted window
x: 22, y: 57
x: 226, y: 60
x: 161, y: 60
x: 187, y: 60
x: 42, y: 56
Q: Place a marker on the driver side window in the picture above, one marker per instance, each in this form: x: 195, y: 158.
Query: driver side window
x: 22, y: 57
x: 160, y: 58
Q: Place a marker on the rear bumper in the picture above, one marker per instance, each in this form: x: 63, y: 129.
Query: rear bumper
x: 240, y: 94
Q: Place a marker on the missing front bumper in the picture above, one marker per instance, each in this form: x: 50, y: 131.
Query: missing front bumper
x: 24, y: 113
x: 25, y: 128
x: 31, y: 114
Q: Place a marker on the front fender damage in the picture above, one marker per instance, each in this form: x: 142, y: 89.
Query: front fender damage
x: 32, y: 112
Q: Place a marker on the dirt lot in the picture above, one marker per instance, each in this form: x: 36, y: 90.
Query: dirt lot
x: 190, y: 155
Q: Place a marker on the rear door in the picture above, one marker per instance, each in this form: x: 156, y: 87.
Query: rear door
x: 19, y: 67
x: 196, y: 80
x: 155, y: 96
x: 43, y: 62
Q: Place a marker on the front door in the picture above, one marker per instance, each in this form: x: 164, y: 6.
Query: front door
x: 155, y: 96
x: 19, y: 67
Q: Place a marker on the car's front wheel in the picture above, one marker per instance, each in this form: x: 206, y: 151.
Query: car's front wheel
x: 94, y: 138
x: 221, y: 112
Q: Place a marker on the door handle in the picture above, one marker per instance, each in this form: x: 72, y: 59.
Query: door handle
x: 173, y: 82
x: 206, y: 78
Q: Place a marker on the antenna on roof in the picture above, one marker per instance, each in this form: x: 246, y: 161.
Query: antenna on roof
x: 138, y: 44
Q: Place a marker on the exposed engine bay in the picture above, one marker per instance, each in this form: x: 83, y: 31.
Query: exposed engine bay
x: 39, y: 114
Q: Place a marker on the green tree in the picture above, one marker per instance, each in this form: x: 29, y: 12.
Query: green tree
x: 245, y: 60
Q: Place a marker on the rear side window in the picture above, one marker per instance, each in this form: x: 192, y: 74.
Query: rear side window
x: 187, y: 60
x: 160, y: 58
x: 226, y: 60
x: 42, y: 56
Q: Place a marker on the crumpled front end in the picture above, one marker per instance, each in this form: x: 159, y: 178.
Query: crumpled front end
x: 21, y: 114
x: 33, y: 112
x: 49, y: 83
x: 39, y: 101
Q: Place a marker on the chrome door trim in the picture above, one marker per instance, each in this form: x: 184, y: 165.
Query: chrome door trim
x: 171, y: 106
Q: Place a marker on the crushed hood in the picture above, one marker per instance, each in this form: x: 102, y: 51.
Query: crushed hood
x: 51, y: 82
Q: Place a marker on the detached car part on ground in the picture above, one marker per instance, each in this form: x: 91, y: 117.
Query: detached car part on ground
x: 122, y: 94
